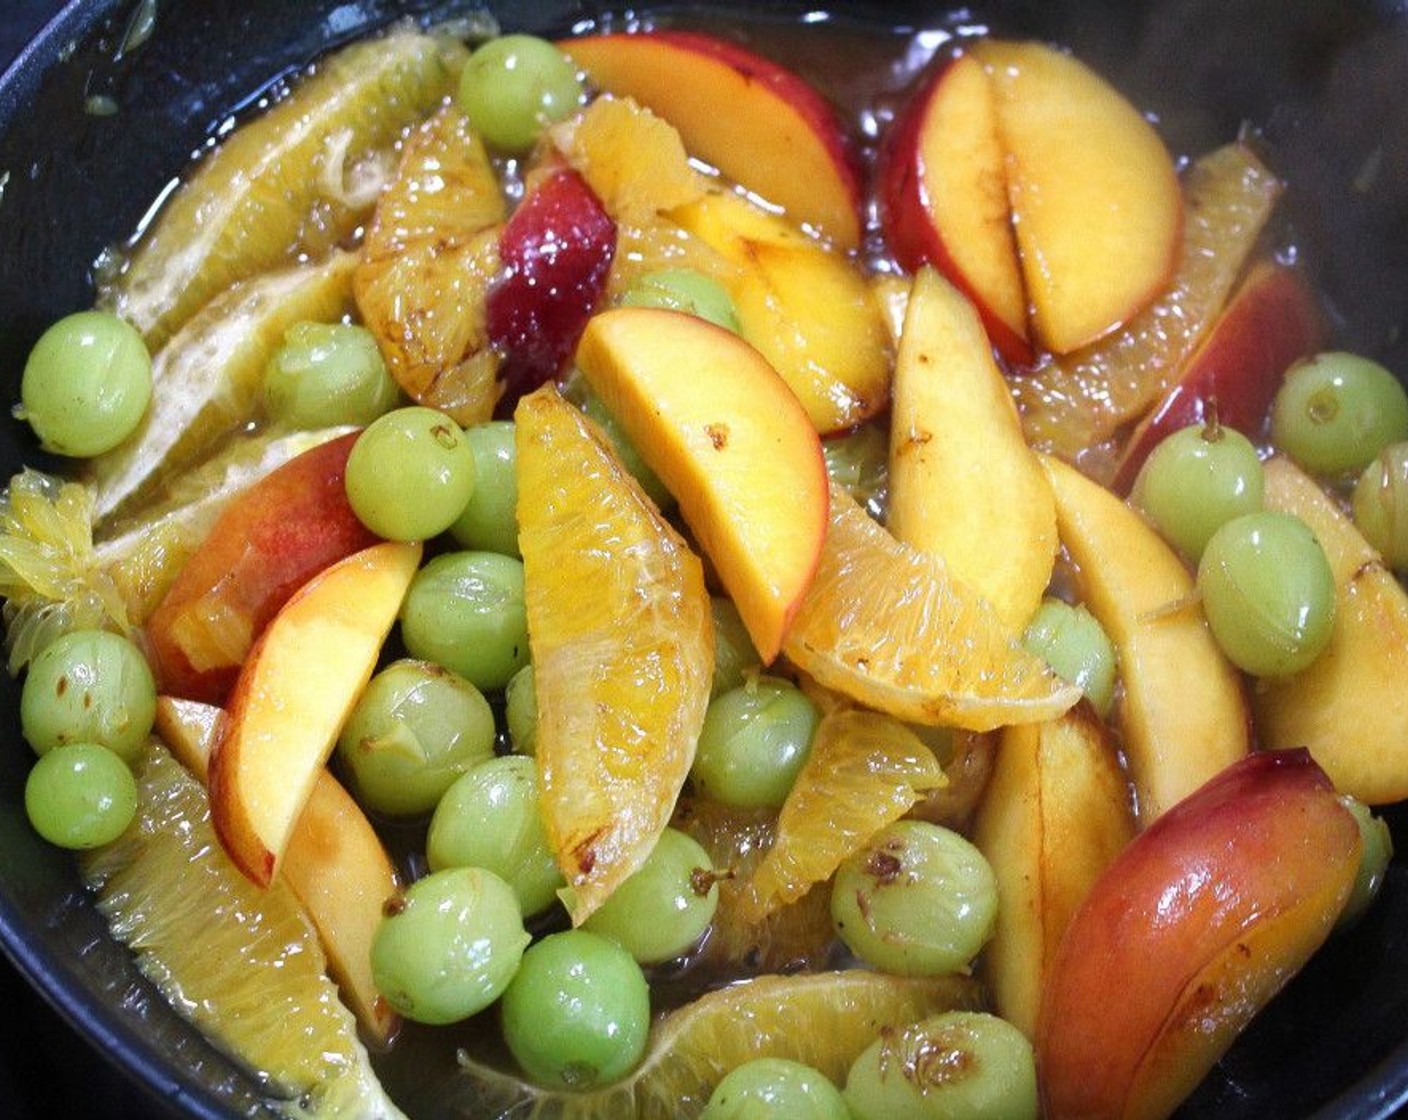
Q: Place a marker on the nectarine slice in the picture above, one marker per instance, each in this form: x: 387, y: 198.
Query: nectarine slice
x: 293, y: 695
x: 1189, y: 933
x: 730, y: 441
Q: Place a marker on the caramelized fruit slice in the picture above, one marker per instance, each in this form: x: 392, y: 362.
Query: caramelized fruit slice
x: 619, y: 706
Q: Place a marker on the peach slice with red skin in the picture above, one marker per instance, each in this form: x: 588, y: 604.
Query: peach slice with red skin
x: 293, y: 695
x: 732, y: 444
x: 1188, y: 934
x: 779, y: 138
x: 268, y: 542
x: 943, y: 198
x: 1271, y: 321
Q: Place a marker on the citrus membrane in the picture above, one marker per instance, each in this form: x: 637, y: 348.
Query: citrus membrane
x: 824, y: 1020
x: 619, y: 706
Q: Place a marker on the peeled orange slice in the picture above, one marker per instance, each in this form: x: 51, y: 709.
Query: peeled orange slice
x: 1079, y: 399
x: 623, y: 649
x: 822, y: 1019
x: 207, y: 381
x: 430, y: 256
x: 243, y: 964
x: 298, y: 178
x: 889, y: 627
x: 864, y: 771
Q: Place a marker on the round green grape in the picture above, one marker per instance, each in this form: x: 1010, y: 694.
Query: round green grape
x: 521, y: 711
x: 86, y: 384
x: 754, y: 741
x: 859, y: 462
x: 414, y: 730
x: 1268, y: 593
x: 513, y: 86
x: 489, y: 522
x: 410, y: 474
x: 450, y: 946
x: 662, y: 910
x: 80, y: 796
x: 964, y: 1064
x: 1195, y: 481
x: 1381, y: 505
x: 89, y: 686
x: 687, y: 290
x: 734, y: 655
x: 465, y: 611
x: 328, y: 374
x: 1336, y: 411
x: 1374, y: 857
x: 775, y: 1089
x: 1071, y: 640
x: 577, y: 1014
x: 917, y: 900
x: 490, y: 818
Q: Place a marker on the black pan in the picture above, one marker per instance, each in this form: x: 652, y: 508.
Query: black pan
x: 1323, y: 82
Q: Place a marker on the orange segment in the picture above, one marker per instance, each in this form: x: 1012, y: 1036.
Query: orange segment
x: 1080, y: 399
x: 864, y: 771
x: 823, y: 1019
x: 889, y: 627
x: 431, y: 253
x: 623, y: 649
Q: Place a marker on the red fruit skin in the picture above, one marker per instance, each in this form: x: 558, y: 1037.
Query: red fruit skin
x: 556, y: 250
x: 267, y: 543
x: 1271, y: 322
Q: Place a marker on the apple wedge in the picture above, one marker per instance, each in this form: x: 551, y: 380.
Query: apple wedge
x: 779, y: 138
x: 1095, y: 198
x: 1188, y: 934
x: 335, y: 864
x: 292, y: 697
x: 958, y: 455
x: 808, y: 309
x: 1271, y: 321
x: 943, y: 198
x: 1350, y: 706
x: 1054, y: 815
x: 1183, y: 714
x: 730, y: 442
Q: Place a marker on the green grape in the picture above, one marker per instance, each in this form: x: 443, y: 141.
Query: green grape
x: 86, y: 384
x: 859, y: 462
x: 450, y: 946
x: 513, y: 86
x: 662, y: 910
x: 1197, y: 480
x: 410, y: 474
x: 328, y: 374
x: 775, y: 1089
x: 521, y: 711
x: 1075, y: 645
x: 958, y: 1064
x: 464, y: 610
x: 490, y: 520
x: 626, y: 452
x: 1374, y: 858
x: 1381, y: 505
x: 81, y: 795
x: 89, y: 686
x: 577, y: 1014
x: 917, y: 900
x: 414, y: 730
x: 1335, y: 412
x: 490, y: 818
x: 687, y: 290
x: 734, y: 655
x: 1268, y: 593
x: 754, y: 740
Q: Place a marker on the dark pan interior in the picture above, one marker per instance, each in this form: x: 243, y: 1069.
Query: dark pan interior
x: 1321, y: 82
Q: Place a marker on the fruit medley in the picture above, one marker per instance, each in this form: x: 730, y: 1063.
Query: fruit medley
x: 545, y: 553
